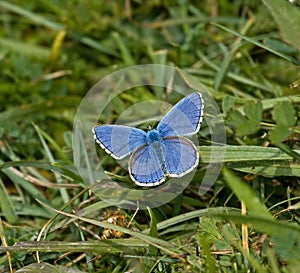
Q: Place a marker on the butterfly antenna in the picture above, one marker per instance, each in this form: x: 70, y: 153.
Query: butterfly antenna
x: 157, y: 117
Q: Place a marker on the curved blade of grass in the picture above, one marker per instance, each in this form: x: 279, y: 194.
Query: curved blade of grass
x: 6, y: 205
x: 246, y: 194
x: 125, y: 51
x: 41, y: 134
x: 259, y: 44
x: 222, y: 70
x: 188, y: 216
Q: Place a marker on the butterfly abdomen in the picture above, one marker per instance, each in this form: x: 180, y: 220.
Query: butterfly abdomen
x: 155, y: 140
x: 159, y: 154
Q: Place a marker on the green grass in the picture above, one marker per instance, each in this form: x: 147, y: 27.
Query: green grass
x: 247, y: 55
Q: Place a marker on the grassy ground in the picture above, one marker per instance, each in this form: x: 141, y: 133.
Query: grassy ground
x: 245, y: 52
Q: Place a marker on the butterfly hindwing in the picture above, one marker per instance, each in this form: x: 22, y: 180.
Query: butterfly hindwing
x: 184, y: 118
x: 147, y: 165
x: 118, y: 140
x: 181, y: 156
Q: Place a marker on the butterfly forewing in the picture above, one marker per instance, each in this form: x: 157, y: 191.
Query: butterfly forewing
x: 184, y: 118
x: 119, y: 141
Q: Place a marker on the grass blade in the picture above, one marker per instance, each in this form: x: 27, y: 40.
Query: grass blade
x: 259, y: 44
x: 244, y: 192
x: 6, y: 205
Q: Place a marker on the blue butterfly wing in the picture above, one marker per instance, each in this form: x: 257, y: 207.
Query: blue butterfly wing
x: 181, y: 156
x: 118, y: 140
x: 147, y: 165
x: 184, y: 118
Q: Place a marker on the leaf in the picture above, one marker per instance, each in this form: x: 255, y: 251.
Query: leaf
x: 253, y: 111
x: 279, y: 133
x: 246, y: 194
x: 284, y: 113
x: 285, y: 116
x: 236, y: 117
x: 208, y: 226
x: 227, y: 105
x: 249, y: 123
x: 287, y: 18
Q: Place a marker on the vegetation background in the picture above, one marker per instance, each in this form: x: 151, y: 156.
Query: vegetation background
x: 245, y: 52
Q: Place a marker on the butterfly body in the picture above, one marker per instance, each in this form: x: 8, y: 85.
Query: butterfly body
x: 159, y: 153
x: 153, y: 135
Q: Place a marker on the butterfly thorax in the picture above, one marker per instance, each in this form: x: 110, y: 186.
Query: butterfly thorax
x: 153, y: 136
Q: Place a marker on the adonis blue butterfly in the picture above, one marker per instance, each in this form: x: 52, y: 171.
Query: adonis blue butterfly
x: 159, y: 153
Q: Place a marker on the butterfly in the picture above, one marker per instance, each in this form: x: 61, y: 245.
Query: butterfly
x: 159, y: 153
